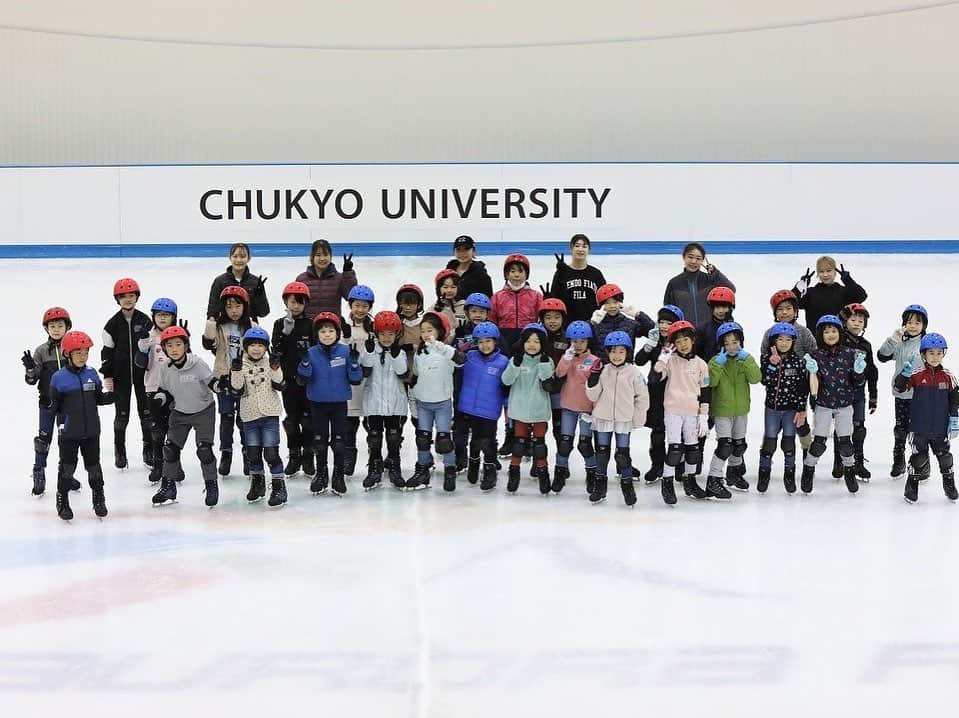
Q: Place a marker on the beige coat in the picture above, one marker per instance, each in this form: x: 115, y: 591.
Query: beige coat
x: 255, y: 380
x: 620, y: 395
x: 221, y: 347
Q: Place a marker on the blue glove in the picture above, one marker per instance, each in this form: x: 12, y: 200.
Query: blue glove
x: 812, y: 366
x: 721, y: 358
x: 953, y: 427
x: 743, y: 355
x: 859, y: 366
x: 907, y: 368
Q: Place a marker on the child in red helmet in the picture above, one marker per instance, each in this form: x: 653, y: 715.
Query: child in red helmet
x: 612, y: 316
x: 121, y: 336
x: 223, y: 335
x: 448, y: 299
x: 39, y: 367
x: 721, y: 302
x: 552, y: 315
x: 75, y: 393
x: 292, y: 337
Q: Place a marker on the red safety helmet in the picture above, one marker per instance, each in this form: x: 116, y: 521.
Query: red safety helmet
x: 444, y: 323
x: 551, y: 304
x: 608, y: 291
x: 296, y: 288
x: 855, y: 308
x: 327, y: 317
x: 75, y: 340
x: 409, y: 288
x: 443, y: 275
x: 721, y: 295
x: 172, y: 333
x: 57, y: 313
x: 783, y: 295
x: 125, y: 286
x: 681, y: 325
x: 516, y: 259
x: 235, y: 291
x: 387, y: 322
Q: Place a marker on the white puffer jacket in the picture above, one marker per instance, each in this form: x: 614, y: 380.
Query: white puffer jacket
x: 358, y: 335
x: 157, y: 358
x: 255, y: 379
x: 385, y: 392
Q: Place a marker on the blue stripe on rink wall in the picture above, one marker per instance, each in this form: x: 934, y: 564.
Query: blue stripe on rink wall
x: 443, y: 249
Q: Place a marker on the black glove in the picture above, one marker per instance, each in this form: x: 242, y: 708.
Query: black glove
x: 369, y: 345
x: 141, y: 360
x: 223, y: 385
x: 348, y: 262
x: 593, y: 379
x: 183, y: 325
x: 560, y: 260
x: 354, y: 356
x: 160, y: 400
x: 367, y: 372
x: 236, y: 364
x: 422, y: 348
x: 548, y: 385
x: 45, y: 401
x: 845, y: 276
x: 518, y: 358
x: 873, y: 405
x: 438, y: 307
x: 395, y: 350
x: 28, y: 363
x: 408, y: 348
x: 275, y: 359
x: 260, y: 281
x: 543, y: 358
x: 346, y: 331
x: 544, y: 289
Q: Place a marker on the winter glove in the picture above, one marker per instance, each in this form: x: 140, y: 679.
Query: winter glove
x: 184, y: 324
x: 702, y: 425
x: 346, y: 329
x: 369, y: 345
x: 108, y: 384
x: 907, y: 368
x: 953, y: 427
x: 395, y: 350
x: 569, y: 354
x: 144, y: 345
x: 288, y: 323
x: 845, y: 276
x: 560, y: 260
x: 259, y: 288
x: 141, y: 360
x: 653, y: 335
x: 348, y: 262
x: 518, y: 358
x: 873, y: 403
x: 667, y: 353
x: 28, y: 363
x: 160, y: 400
x: 236, y: 364
x: 594, y: 371
x: 543, y: 359
x: 544, y: 289
x: 354, y: 357
x: 803, y: 284
x: 275, y: 358
x: 548, y: 384
x: 774, y: 357
x: 743, y: 355
x: 897, y: 334
x: 859, y: 365
x: 223, y: 385
x: 812, y: 366
x: 721, y: 358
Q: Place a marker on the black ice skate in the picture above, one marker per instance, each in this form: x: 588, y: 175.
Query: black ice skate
x: 212, y: 492
x: 166, y: 494
x: 762, y: 483
x: 949, y: 486
x: 39, y: 481
x: 420, y: 478
x: 668, y: 490
x: 542, y: 473
x: 449, y: 478
x: 338, y: 482
x: 277, y: 493
x: 257, y: 488
x: 911, y: 492
x: 488, y: 482
x: 120, y: 455
x: 715, y: 488
x: 898, y: 463
x: 374, y: 474
x: 63, y: 506
x: 861, y: 471
x: 512, y: 480
x: 590, y: 480
x: 849, y: 474
x: 629, y: 493
x: 321, y: 481
x: 599, y: 490
x: 294, y: 463
x: 472, y: 470
x: 349, y: 460
x: 692, y: 488
x: 99, y: 502
x: 148, y: 454
x: 805, y: 481
x: 735, y: 478
x: 789, y: 479
x: 396, y: 475
x: 226, y: 463
x: 309, y: 463
x: 560, y: 474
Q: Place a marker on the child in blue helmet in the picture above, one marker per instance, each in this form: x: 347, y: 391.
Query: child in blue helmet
x: 731, y: 372
x: 151, y: 358
x: 529, y: 406
x: 480, y: 402
x: 620, y: 400
x: 787, y: 389
x: 648, y: 353
x: 357, y: 328
x: 577, y: 408
x: 477, y: 306
x: 934, y: 415
x: 835, y: 371
x: 257, y: 377
x: 902, y: 346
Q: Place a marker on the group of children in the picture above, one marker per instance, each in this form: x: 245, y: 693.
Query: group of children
x: 458, y: 365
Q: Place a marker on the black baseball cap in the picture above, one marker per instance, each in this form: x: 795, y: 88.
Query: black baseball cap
x: 464, y: 241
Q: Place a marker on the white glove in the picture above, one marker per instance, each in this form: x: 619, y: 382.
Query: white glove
x: 288, y: 323
x: 667, y: 353
x: 569, y: 354
x: 144, y: 345
x: 598, y: 316
x: 653, y: 335
x: 629, y: 310
x: 896, y: 336
x: 702, y: 425
x: 108, y: 384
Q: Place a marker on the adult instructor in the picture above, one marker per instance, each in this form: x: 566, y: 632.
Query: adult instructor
x: 688, y: 289
x: 576, y: 283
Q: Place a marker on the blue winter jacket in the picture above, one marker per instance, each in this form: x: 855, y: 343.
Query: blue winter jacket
x: 482, y: 392
x: 330, y: 372
x: 74, y: 397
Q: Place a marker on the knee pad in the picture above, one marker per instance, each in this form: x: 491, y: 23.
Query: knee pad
x: 788, y: 445
x: 539, y: 448
x: 444, y: 442
x: 602, y: 455
x: 171, y: 452
x: 919, y: 464
x: 204, y: 452
x: 900, y: 435
x: 41, y: 445
x: 674, y: 454
x: 374, y: 439
x: 804, y: 429
x: 338, y: 443
x: 320, y: 445
x: 623, y: 460
x: 255, y: 454
x: 693, y: 454
x: 769, y: 446
x: 585, y: 447
x: 724, y: 448
x: 478, y: 445
x: 564, y: 446
x: 943, y: 455
x: 520, y: 443
x: 271, y: 454
x: 858, y: 434
x: 845, y: 446
x: 739, y: 447
x: 818, y: 447
x: 394, y: 437
x: 423, y: 440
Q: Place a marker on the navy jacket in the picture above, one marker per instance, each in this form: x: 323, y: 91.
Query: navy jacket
x: 935, y: 397
x: 837, y: 381
x: 74, y: 397
x: 637, y: 327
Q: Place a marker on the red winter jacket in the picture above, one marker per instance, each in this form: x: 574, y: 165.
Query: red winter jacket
x: 512, y: 310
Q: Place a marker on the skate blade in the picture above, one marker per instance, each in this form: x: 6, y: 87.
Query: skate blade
x: 909, y: 501
x: 168, y: 502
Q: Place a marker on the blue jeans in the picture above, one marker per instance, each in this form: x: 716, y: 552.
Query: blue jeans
x: 264, y: 431
x: 568, y: 425
x: 440, y: 413
x: 226, y: 406
x: 604, y: 440
x: 778, y: 421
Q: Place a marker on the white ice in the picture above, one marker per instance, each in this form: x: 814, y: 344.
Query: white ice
x: 471, y: 604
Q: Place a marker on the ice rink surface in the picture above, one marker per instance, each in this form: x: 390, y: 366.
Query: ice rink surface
x: 471, y: 604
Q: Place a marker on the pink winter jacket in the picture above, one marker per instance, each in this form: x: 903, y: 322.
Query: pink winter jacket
x: 514, y: 310
x: 620, y: 395
x: 572, y: 396
x: 686, y: 377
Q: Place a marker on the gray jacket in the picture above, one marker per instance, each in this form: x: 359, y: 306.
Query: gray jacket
x: 189, y: 386
x: 902, y: 350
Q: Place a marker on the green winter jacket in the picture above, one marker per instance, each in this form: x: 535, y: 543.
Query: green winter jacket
x: 528, y: 401
x: 729, y: 384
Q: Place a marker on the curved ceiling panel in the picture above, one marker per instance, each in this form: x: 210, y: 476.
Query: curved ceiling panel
x: 429, y: 24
